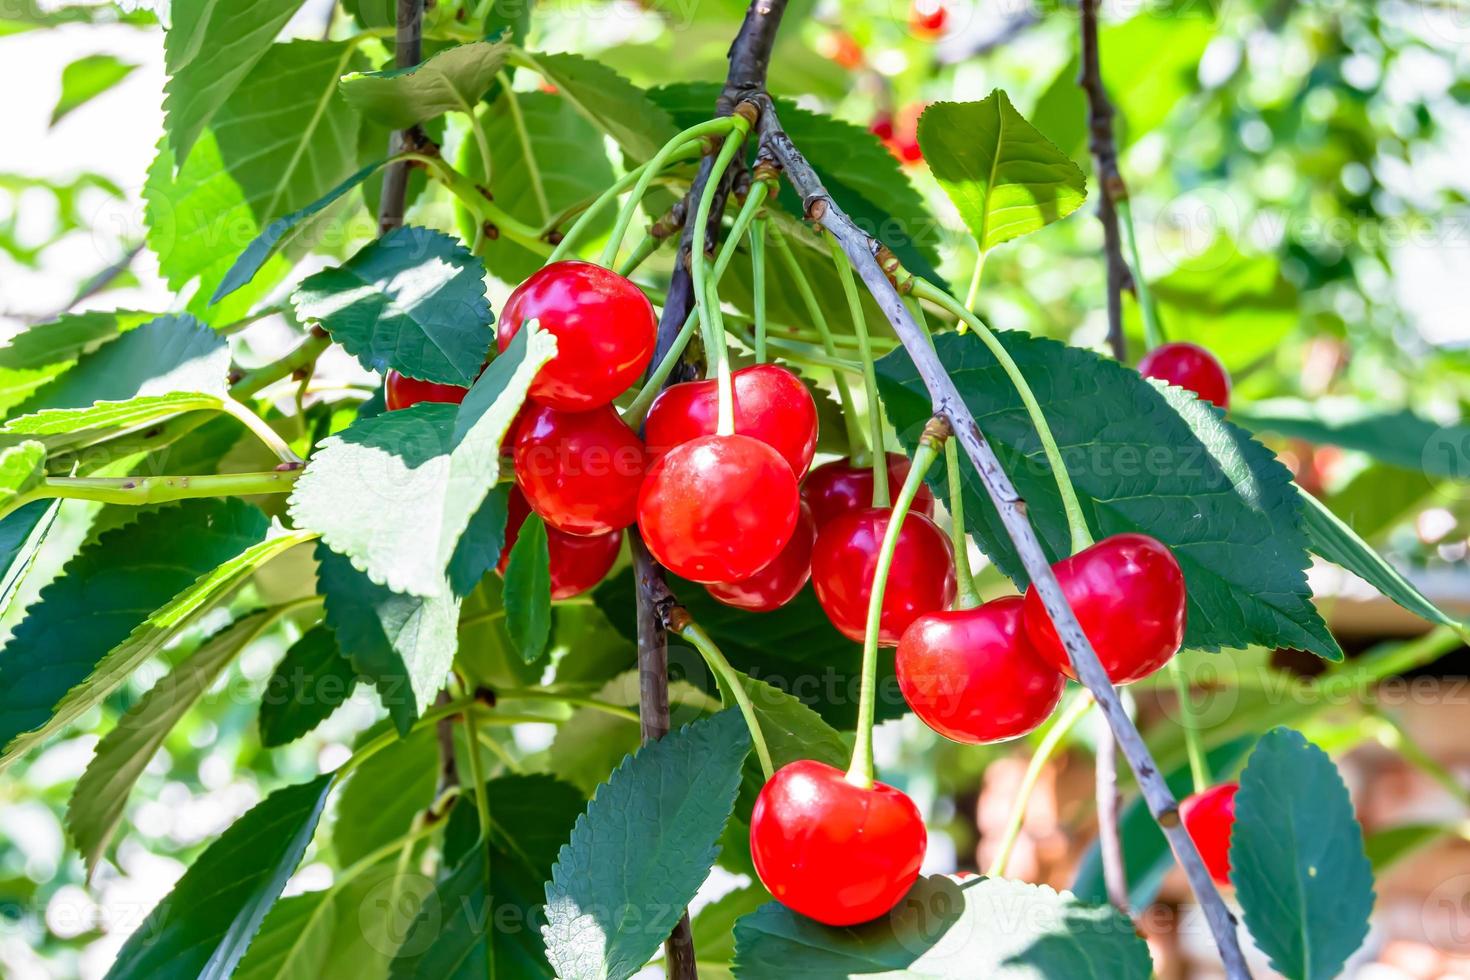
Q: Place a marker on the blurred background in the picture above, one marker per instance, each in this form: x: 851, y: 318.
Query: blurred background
x: 1299, y: 177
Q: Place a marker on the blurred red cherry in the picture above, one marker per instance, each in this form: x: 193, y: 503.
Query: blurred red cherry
x: 920, y: 579
x: 577, y: 562
x: 580, y: 471
x: 1189, y: 366
x: 401, y: 391
x: 840, y: 487
x: 771, y: 404
x: 927, y: 18
x: 779, y: 582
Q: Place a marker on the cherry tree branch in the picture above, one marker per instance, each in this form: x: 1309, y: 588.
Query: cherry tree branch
x: 1105, y: 154
x: 408, y: 50
x: 878, y: 269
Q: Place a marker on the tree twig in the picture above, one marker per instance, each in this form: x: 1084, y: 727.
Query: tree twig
x: 408, y: 51
x: 879, y: 270
x: 1109, y: 844
x: 1110, y: 182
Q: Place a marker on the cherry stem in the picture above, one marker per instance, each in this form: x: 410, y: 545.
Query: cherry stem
x: 1153, y: 331
x: 706, y: 299
x: 473, y: 196
x: 1199, y: 766
x: 647, y: 245
x: 650, y: 170
x: 758, y: 282
x: 857, y: 447
x: 860, y: 773
x: 261, y: 430
x: 1053, y: 739
x: 1076, y: 522
x: 966, y: 597
x: 870, y: 375
x: 691, y: 631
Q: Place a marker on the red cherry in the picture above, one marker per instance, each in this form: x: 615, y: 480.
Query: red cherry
x: 927, y: 18
x: 580, y: 470
x: 833, y: 851
x: 718, y: 508
x: 402, y: 391
x: 577, y: 562
x: 779, y: 582
x: 920, y: 580
x: 1128, y: 593
x: 604, y: 327
x: 771, y: 404
x: 1189, y: 366
x: 882, y: 126
x: 840, y: 487
x: 972, y: 675
x: 1209, y: 817
x: 841, y: 47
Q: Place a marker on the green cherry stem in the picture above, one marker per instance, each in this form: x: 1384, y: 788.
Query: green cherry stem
x: 1053, y: 739
x: 1153, y: 330
x: 758, y: 282
x: 870, y: 375
x: 966, y: 597
x: 1076, y: 522
x: 860, y: 773
x: 647, y: 245
x: 682, y: 625
x: 260, y: 429
x: 473, y: 196
x: 1199, y: 767
x: 707, y: 301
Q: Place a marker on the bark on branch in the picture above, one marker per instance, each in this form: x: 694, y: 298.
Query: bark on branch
x: 864, y: 253
x: 1110, y: 182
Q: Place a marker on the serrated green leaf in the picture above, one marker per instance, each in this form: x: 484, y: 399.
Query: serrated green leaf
x: 527, y: 594
x: 209, y: 48
x: 22, y: 467
x: 67, y: 338
x: 642, y: 849
x: 403, y: 644
x: 101, y: 596
x: 480, y: 545
x: 1004, y: 176
x: 312, y: 680
x: 97, y: 802
x: 413, y: 300
x: 381, y: 798
x: 451, y: 80
x: 449, y: 939
x: 85, y: 79
x: 1296, y: 858
x: 21, y: 535
x: 948, y: 930
x: 608, y: 100
x: 396, y: 492
x: 202, y: 928
x: 282, y: 141
x: 66, y: 427
x: 1143, y: 458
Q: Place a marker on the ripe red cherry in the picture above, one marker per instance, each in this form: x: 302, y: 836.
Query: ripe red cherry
x: 577, y: 562
x: 882, y: 126
x: 771, y: 404
x: 920, y: 580
x: 402, y: 391
x: 972, y: 676
x: 1209, y: 817
x: 718, y: 508
x: 580, y: 470
x: 779, y: 582
x: 604, y: 327
x: 1128, y: 593
x: 840, y: 487
x: 833, y: 851
x: 1189, y: 366
x: 927, y: 18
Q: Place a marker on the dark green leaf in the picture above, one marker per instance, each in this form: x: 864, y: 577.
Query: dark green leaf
x: 40, y: 352
x: 22, y: 468
x: 527, y: 594
x: 21, y: 534
x: 85, y: 79
x: 1400, y: 439
x: 608, y: 100
x: 1385, y: 848
x: 381, y: 798
x: 451, y: 80
x: 1296, y: 858
x: 200, y: 931
x: 642, y: 849
x: 948, y: 930
x: 450, y: 938
x: 480, y: 545
x: 1143, y: 459
x: 312, y: 680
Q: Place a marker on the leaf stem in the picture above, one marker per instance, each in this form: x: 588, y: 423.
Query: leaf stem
x: 386, y: 738
x: 299, y: 357
x: 974, y: 291
x: 575, y: 700
x: 1053, y: 739
x: 137, y: 491
x: 482, y: 803
x: 691, y: 631
x: 1199, y: 767
x: 870, y: 375
x: 1153, y: 331
x: 758, y: 282
x: 486, y: 211
x: 518, y: 119
x: 1076, y: 522
x: 260, y: 429
x: 860, y: 773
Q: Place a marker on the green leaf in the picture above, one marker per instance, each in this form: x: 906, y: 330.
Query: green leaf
x: 1400, y: 438
x: 642, y: 849
x: 413, y: 300
x: 210, y: 47
x: 608, y: 100
x: 202, y: 928
x: 166, y: 355
x: 948, y: 930
x: 452, y: 80
x: 396, y: 492
x: 1296, y: 858
x: 101, y: 596
x: 38, y: 353
x: 1143, y: 458
x: 1338, y: 543
x: 97, y: 802
x: 527, y: 593
x: 714, y: 929
x: 792, y: 731
x: 403, y: 644
x: 312, y: 680
x: 381, y: 798
x: 480, y: 545
x: 67, y: 427
x: 274, y: 235
x: 22, y: 468
x: 1386, y: 848
x: 21, y: 535
x: 85, y: 79
x: 448, y: 939
x: 1004, y: 176
x: 282, y: 141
